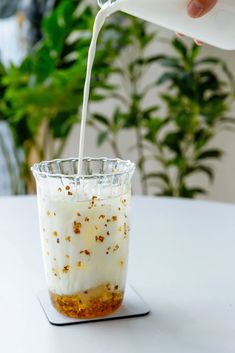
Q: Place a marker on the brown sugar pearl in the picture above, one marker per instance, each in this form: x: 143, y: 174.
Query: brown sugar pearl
x: 66, y: 269
x: 99, y: 239
x: 79, y: 264
x: 77, y: 227
x: 67, y: 187
x: 86, y: 252
x: 92, y: 202
x: 123, y: 202
x: 54, y: 271
x: 116, y: 247
x: 108, y: 286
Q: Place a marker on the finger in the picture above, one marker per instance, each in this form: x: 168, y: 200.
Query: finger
x: 179, y: 34
x: 198, y: 42
x: 198, y: 8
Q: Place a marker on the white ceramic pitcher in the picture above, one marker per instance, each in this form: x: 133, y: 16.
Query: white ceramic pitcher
x: 216, y: 28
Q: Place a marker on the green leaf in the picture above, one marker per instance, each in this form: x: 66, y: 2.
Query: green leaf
x: 166, y: 192
x: 101, y: 119
x: 173, y: 140
x: 201, y: 169
x: 228, y: 73
x: 180, y: 47
x: 183, y: 120
x: 164, y: 177
x: 149, y: 60
x: 195, y: 51
x: 140, y: 163
x: 171, y: 62
x: 154, y: 126
x: 213, y: 153
x: 147, y: 112
x: 168, y: 76
x: 61, y: 124
x: 57, y: 26
x: 201, y: 137
x: 208, y: 80
x: 102, y: 137
x: 97, y: 97
x: 208, y: 60
x: 191, y: 192
x: 117, y: 117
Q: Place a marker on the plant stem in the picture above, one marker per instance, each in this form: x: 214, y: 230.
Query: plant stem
x: 60, y: 149
x: 114, y: 145
x: 111, y: 140
x: 47, y: 142
x: 140, y: 150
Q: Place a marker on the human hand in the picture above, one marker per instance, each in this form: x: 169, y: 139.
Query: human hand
x: 198, y: 8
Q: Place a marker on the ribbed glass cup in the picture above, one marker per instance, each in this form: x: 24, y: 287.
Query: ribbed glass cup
x: 101, y: 3
x: 84, y: 226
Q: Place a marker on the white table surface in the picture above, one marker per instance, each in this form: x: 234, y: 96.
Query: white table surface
x: 182, y: 262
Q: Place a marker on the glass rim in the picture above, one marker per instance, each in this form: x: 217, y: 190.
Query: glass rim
x: 102, y: 3
x: 35, y: 168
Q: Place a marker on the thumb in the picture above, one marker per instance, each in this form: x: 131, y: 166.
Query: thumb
x: 198, y: 8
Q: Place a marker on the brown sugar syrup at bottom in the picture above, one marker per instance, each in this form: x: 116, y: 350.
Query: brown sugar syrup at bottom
x: 92, y: 303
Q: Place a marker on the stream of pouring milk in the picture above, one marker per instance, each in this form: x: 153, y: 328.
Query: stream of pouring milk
x: 98, y: 24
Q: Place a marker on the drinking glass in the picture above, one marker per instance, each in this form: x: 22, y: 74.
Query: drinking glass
x: 84, y: 226
x: 102, y: 2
